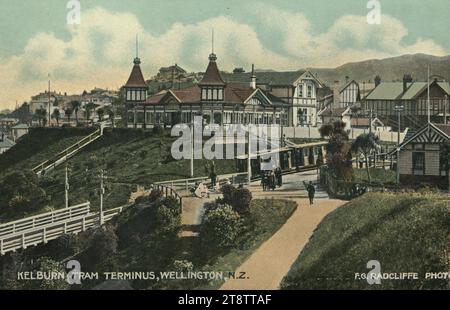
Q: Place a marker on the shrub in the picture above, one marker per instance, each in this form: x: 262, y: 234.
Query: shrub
x: 103, y: 245
x: 220, y: 228
x: 238, y: 198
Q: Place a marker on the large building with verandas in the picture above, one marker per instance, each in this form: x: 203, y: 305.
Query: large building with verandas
x: 214, y: 99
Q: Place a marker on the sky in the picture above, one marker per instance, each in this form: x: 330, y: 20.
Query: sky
x: 36, y: 40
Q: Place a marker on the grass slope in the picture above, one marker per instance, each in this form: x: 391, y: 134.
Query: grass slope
x: 130, y: 157
x: 404, y: 232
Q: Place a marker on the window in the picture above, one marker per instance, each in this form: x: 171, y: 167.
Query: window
x: 203, y: 93
x: 418, y: 163
x: 220, y: 93
x: 128, y: 95
x: 300, y: 90
x: 309, y: 91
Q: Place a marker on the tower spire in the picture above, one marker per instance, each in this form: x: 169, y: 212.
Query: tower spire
x: 212, y: 42
x: 212, y: 56
x: 137, y: 60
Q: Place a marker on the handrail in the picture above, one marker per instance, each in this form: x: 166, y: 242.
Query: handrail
x: 67, y: 151
x: 53, y: 230
x: 46, y: 214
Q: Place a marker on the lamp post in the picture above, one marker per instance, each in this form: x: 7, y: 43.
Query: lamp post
x: 66, y: 187
x: 102, y: 192
x: 398, y: 109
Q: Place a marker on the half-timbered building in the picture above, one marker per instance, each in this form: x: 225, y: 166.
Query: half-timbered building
x: 424, y: 156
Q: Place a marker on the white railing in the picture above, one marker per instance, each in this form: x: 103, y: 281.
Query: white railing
x: 44, y: 219
x: 73, y: 222
x: 62, y: 156
x: 187, y: 182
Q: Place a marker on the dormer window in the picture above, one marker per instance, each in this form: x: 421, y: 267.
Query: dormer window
x: 212, y: 93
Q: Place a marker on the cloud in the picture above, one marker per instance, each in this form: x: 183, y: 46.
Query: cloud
x: 99, y: 52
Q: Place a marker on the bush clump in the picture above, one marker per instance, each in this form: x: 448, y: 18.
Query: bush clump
x: 238, y: 198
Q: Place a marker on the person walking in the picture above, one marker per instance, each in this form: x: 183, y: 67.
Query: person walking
x: 311, y: 192
x: 279, y: 176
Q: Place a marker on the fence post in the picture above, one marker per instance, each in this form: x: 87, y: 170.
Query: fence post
x: 45, y: 235
x: 65, y: 228
x: 1, y: 247
x: 84, y: 224
x: 187, y: 185
x: 23, y: 241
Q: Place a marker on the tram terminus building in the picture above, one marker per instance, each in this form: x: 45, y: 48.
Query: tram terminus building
x: 217, y: 101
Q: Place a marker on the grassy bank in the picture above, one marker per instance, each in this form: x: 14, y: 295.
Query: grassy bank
x: 404, y: 232
x: 266, y: 217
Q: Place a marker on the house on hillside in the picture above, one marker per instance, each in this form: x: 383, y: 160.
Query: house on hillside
x: 218, y: 101
x: 19, y: 130
x: 5, y: 143
x: 414, y: 97
x: 330, y: 115
x: 424, y: 157
x: 297, y: 88
x: 365, y: 123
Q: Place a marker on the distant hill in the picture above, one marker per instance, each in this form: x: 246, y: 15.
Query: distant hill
x: 390, y: 69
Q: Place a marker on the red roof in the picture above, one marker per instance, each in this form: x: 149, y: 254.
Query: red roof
x: 136, y: 77
x: 212, y: 75
x: 233, y: 93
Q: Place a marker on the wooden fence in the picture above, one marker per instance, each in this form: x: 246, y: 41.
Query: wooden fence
x: 49, y: 226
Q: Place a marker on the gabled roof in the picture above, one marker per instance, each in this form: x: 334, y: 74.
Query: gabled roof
x: 212, y: 75
x: 233, y: 94
x: 394, y: 90
x: 430, y: 133
x: 136, y: 78
x: 337, y: 112
x: 20, y: 126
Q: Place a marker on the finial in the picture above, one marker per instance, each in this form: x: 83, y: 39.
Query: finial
x: 212, y: 56
x: 137, y: 61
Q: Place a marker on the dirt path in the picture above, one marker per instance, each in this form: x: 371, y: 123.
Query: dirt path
x: 267, y: 266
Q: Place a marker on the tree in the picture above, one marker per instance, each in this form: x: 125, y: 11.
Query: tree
x: 68, y: 111
x: 56, y: 115
x: 220, y: 228
x: 365, y: 144
x: 238, y: 198
x: 89, y: 107
x: 75, y: 107
x: 100, y: 113
x: 338, y: 155
x: 41, y: 115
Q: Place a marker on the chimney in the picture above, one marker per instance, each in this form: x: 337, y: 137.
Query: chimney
x: 253, y: 78
x: 407, y: 79
x: 377, y: 80
x: 336, y: 94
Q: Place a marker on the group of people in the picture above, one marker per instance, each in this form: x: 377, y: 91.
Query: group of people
x: 271, y: 179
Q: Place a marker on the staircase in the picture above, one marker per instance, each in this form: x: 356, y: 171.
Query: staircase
x: 50, y: 164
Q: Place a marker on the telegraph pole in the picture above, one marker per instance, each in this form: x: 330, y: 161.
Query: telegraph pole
x: 102, y: 192
x: 399, y: 109
x: 428, y: 96
x: 66, y: 183
x: 192, y: 149
x: 249, y: 160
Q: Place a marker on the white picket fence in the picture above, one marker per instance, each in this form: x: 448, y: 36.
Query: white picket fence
x: 49, y: 226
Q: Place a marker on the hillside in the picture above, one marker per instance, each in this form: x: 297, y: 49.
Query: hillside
x: 130, y: 157
x: 404, y: 232
x: 389, y: 69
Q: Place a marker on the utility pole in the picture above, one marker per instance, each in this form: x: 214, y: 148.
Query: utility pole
x: 66, y: 183
x: 192, y: 148
x: 428, y: 96
x: 249, y: 160
x: 49, y: 101
x: 102, y: 192
x: 398, y: 109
